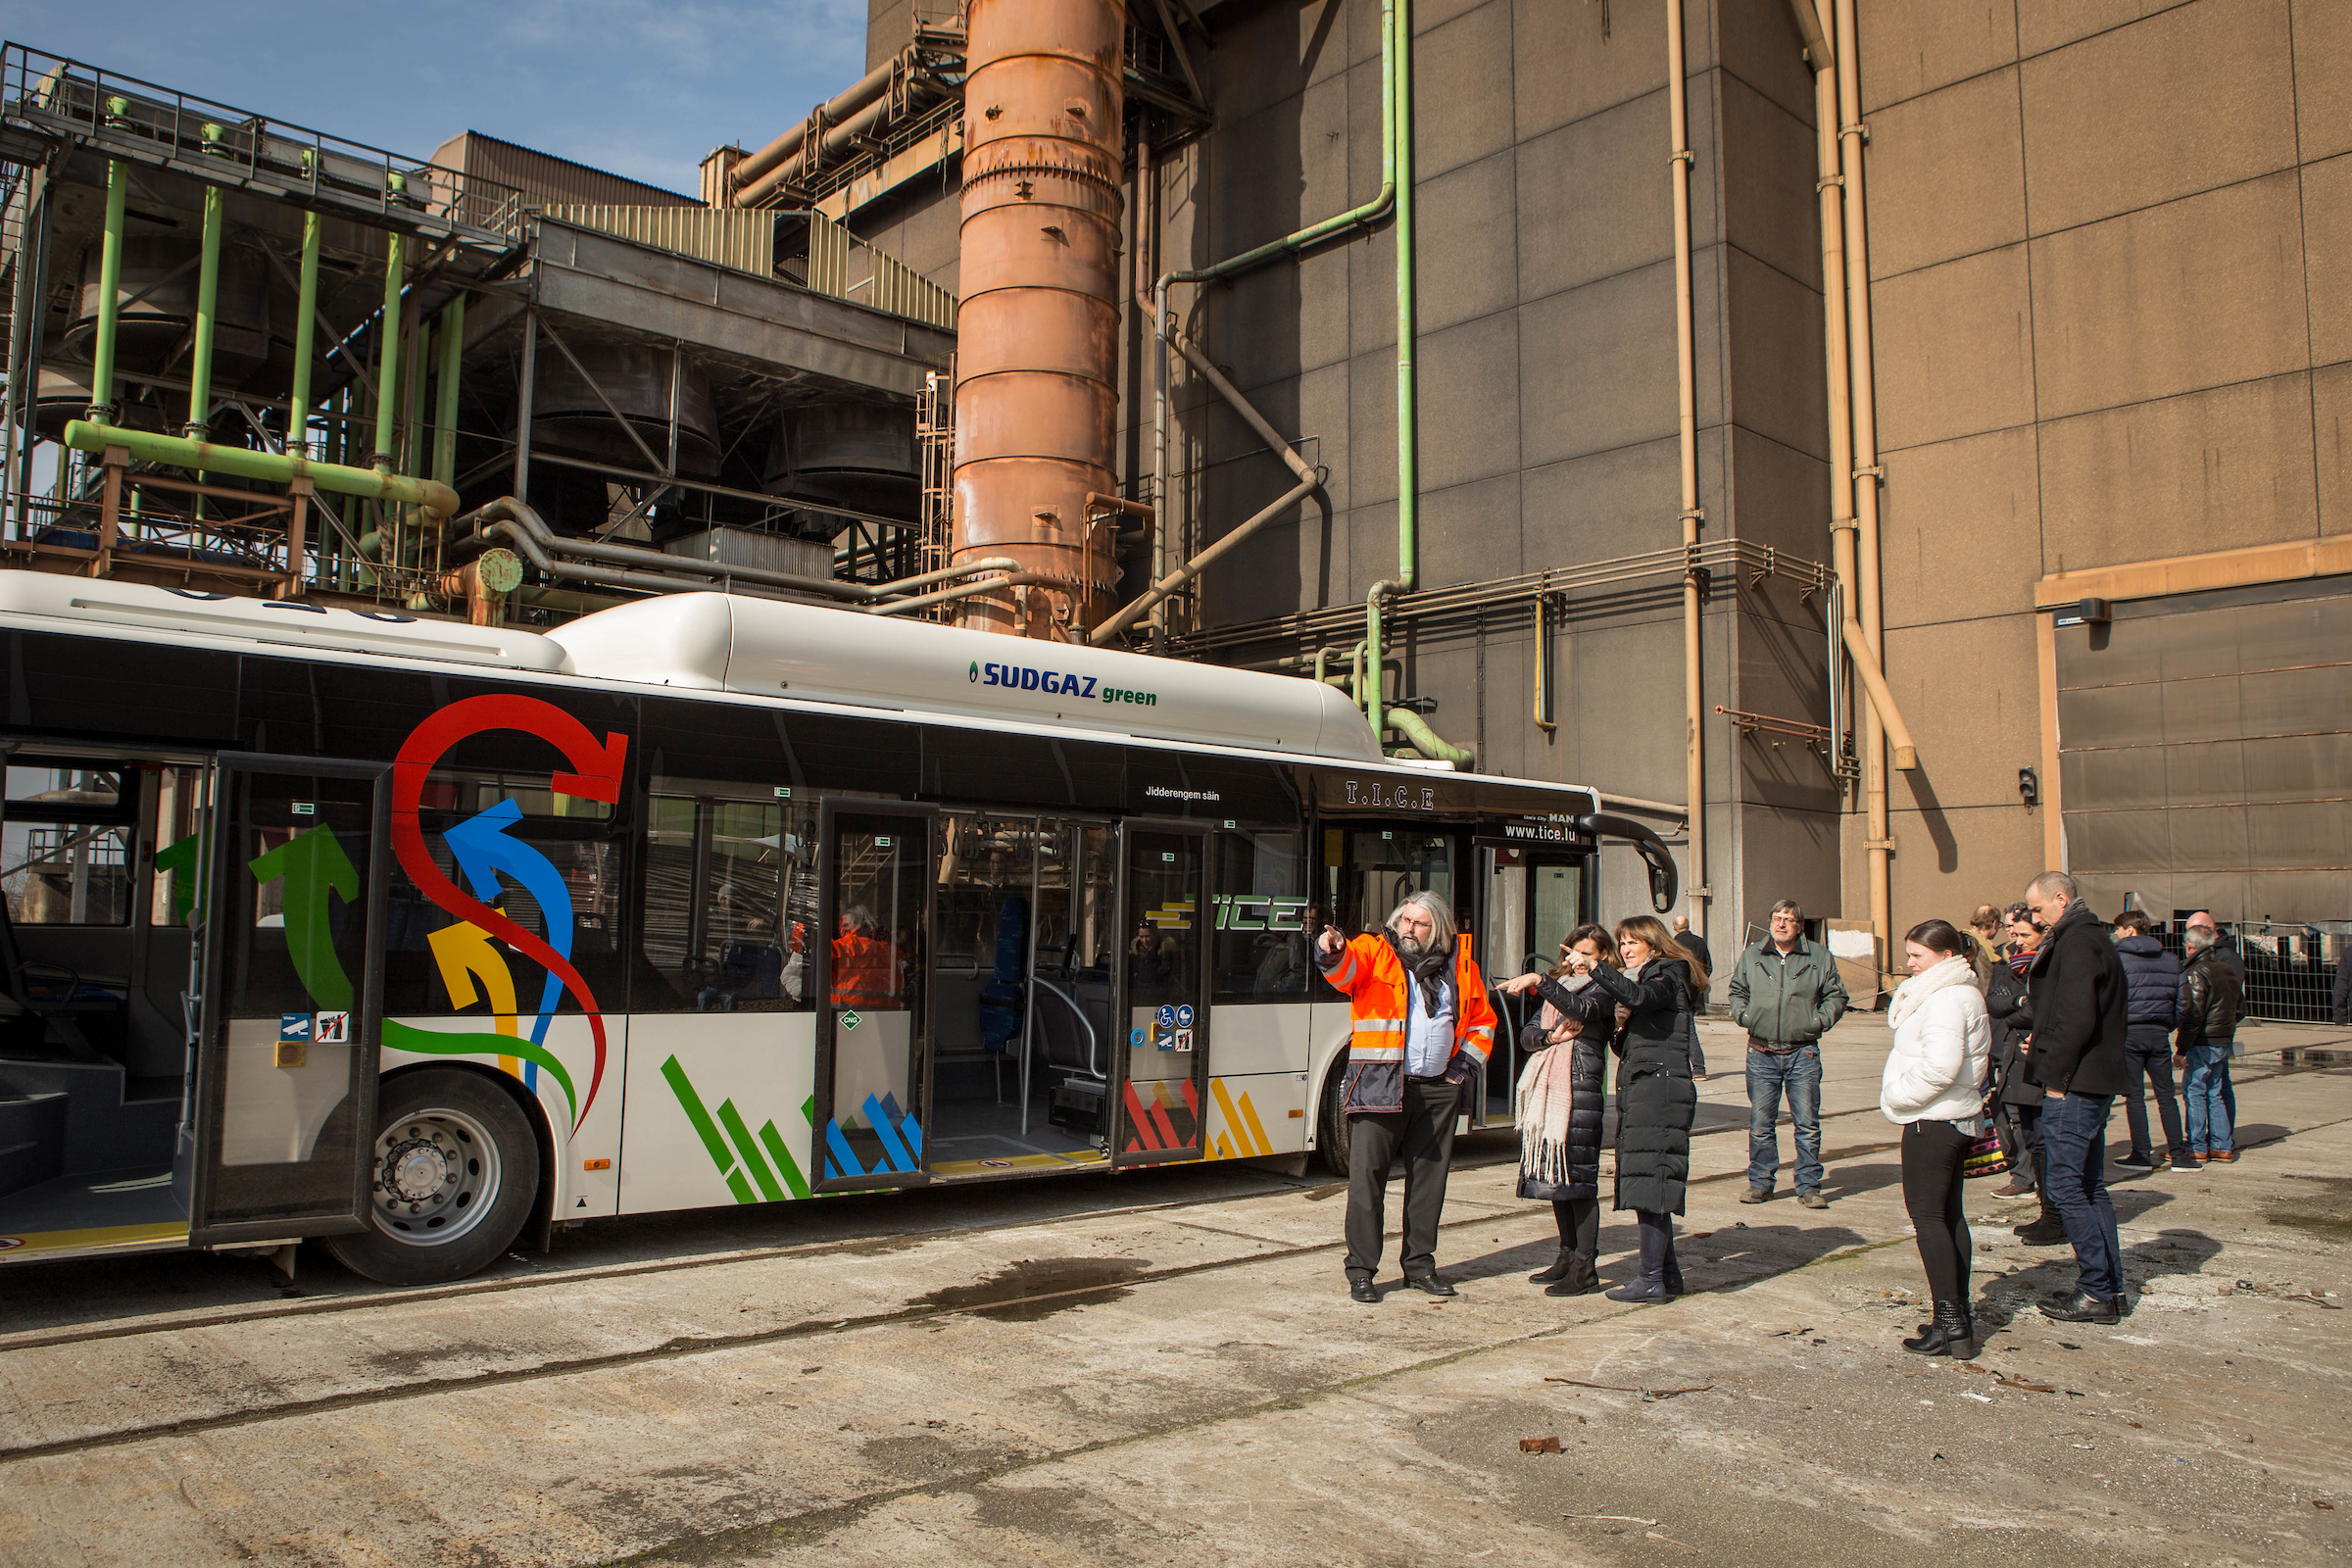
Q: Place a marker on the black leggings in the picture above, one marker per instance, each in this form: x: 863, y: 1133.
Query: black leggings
x: 1933, y: 1152
x: 1579, y: 1219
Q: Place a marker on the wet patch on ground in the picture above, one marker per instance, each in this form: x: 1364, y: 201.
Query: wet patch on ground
x: 2327, y: 1212
x: 1031, y: 1289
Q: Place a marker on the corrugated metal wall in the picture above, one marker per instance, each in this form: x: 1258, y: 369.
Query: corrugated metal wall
x: 2205, y: 745
x: 743, y: 239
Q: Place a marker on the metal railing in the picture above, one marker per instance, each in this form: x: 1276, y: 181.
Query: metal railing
x: 2289, y: 966
x: 53, y: 95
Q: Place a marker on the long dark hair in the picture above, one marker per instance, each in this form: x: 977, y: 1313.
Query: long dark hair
x: 1662, y: 942
x: 1599, y: 935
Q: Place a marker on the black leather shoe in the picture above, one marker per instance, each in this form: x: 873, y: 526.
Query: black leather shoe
x: 1362, y: 1290
x: 1430, y: 1285
x: 1558, y: 1270
x: 1582, y: 1277
x: 2082, y: 1308
x: 1953, y: 1333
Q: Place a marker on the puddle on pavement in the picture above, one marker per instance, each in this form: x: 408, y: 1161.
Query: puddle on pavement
x: 1012, y: 1295
x: 2303, y: 1060
x: 2326, y: 1210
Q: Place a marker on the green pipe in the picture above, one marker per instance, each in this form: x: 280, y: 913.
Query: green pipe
x: 306, y: 318
x: 387, y: 383
x: 1414, y: 729
x: 445, y: 420
x: 1408, y: 452
x: 1393, y: 44
x: 85, y: 435
x: 110, y: 292
x: 208, y: 298
x: 415, y: 448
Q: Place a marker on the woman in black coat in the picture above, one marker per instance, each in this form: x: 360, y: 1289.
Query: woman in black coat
x: 1660, y: 985
x: 2017, y: 1101
x: 1561, y: 1100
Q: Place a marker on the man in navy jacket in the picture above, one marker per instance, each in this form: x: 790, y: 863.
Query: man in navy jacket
x: 2152, y: 986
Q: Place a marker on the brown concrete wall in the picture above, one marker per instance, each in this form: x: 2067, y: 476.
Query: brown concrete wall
x: 1547, y: 376
x: 2108, y: 252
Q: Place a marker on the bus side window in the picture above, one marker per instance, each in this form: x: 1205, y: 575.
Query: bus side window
x: 715, y: 927
x: 1261, y: 916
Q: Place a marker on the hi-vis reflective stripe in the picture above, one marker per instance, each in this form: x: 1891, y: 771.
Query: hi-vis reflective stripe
x: 1345, y: 975
x: 1378, y: 1025
x: 1362, y: 1050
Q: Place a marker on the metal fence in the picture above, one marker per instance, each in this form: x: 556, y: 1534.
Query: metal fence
x: 2291, y: 968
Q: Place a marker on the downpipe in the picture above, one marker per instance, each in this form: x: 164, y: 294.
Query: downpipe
x: 1694, y: 758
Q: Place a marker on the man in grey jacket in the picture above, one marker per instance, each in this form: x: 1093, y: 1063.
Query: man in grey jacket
x: 1786, y: 994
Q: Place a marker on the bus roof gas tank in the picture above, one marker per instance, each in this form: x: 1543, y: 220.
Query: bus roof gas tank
x: 767, y: 648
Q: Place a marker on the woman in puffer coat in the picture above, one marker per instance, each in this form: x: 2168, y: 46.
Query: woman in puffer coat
x: 1561, y: 1097
x: 1934, y: 1089
x: 1661, y: 987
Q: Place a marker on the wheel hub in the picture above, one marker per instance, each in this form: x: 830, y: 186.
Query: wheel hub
x: 417, y: 1171
x: 437, y: 1173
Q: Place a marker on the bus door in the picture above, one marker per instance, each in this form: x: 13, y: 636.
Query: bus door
x: 284, y: 1098
x: 1535, y: 896
x: 1161, y: 1068
x: 870, y: 954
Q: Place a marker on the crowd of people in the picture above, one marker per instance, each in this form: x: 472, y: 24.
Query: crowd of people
x: 2014, y: 1037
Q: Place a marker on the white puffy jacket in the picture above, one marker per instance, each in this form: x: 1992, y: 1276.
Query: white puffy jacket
x: 1943, y: 1038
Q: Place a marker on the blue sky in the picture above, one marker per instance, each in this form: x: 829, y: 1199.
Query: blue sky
x: 640, y: 88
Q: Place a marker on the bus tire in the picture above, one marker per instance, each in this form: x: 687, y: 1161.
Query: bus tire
x: 451, y: 1180
x: 1331, y: 1141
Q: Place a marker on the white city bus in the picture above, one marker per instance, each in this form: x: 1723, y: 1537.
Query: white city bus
x: 419, y: 937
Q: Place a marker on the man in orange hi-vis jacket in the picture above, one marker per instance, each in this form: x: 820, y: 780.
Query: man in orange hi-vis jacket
x: 865, y: 966
x: 1422, y: 1026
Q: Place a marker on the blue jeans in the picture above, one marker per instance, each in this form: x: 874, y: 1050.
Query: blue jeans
x: 2209, y: 1129
x: 2073, y: 1142
x: 1799, y: 1072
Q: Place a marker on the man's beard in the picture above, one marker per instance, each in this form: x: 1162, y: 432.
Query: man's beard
x: 1410, y: 946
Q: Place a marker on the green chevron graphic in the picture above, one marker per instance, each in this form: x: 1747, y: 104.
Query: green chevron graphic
x: 750, y: 1166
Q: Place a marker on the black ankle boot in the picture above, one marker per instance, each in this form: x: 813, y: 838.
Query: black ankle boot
x: 1558, y: 1270
x: 1580, y: 1278
x: 1952, y: 1334
x: 2046, y: 1229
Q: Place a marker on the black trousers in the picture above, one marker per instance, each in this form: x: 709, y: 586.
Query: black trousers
x: 1933, y: 1152
x: 1423, y: 1132
x: 2148, y: 1054
x: 1579, y: 1219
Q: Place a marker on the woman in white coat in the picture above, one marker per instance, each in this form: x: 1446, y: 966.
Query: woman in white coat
x: 1934, y: 1089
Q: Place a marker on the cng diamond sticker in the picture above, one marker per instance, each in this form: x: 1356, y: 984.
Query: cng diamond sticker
x: 850, y: 1019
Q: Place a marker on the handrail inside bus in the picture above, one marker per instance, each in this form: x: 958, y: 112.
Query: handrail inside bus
x: 1094, y: 1042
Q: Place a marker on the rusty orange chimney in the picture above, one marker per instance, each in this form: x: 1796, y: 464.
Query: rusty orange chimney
x: 1037, y: 332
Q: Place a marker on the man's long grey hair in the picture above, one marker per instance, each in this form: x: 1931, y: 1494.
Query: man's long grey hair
x: 1441, y: 920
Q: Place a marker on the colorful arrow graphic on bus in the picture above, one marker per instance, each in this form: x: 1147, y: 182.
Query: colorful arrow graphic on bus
x: 312, y: 864
x: 595, y: 775
x: 483, y: 851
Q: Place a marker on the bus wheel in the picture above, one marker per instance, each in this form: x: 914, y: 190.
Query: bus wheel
x: 1331, y: 1141
x: 453, y: 1174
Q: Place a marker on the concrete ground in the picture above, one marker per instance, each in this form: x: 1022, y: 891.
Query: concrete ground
x: 1165, y: 1368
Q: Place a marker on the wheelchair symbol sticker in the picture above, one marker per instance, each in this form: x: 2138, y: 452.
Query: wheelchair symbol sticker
x: 1167, y: 1016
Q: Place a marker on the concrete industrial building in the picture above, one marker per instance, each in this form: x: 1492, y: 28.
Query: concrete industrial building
x: 2083, y: 360
x: 2106, y: 259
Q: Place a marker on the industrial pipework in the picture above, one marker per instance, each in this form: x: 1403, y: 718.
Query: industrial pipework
x: 1037, y: 329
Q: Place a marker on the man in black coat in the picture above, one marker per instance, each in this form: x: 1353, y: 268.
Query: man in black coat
x: 2077, y: 992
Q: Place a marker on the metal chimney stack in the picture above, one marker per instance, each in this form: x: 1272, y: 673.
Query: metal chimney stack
x: 1037, y: 332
